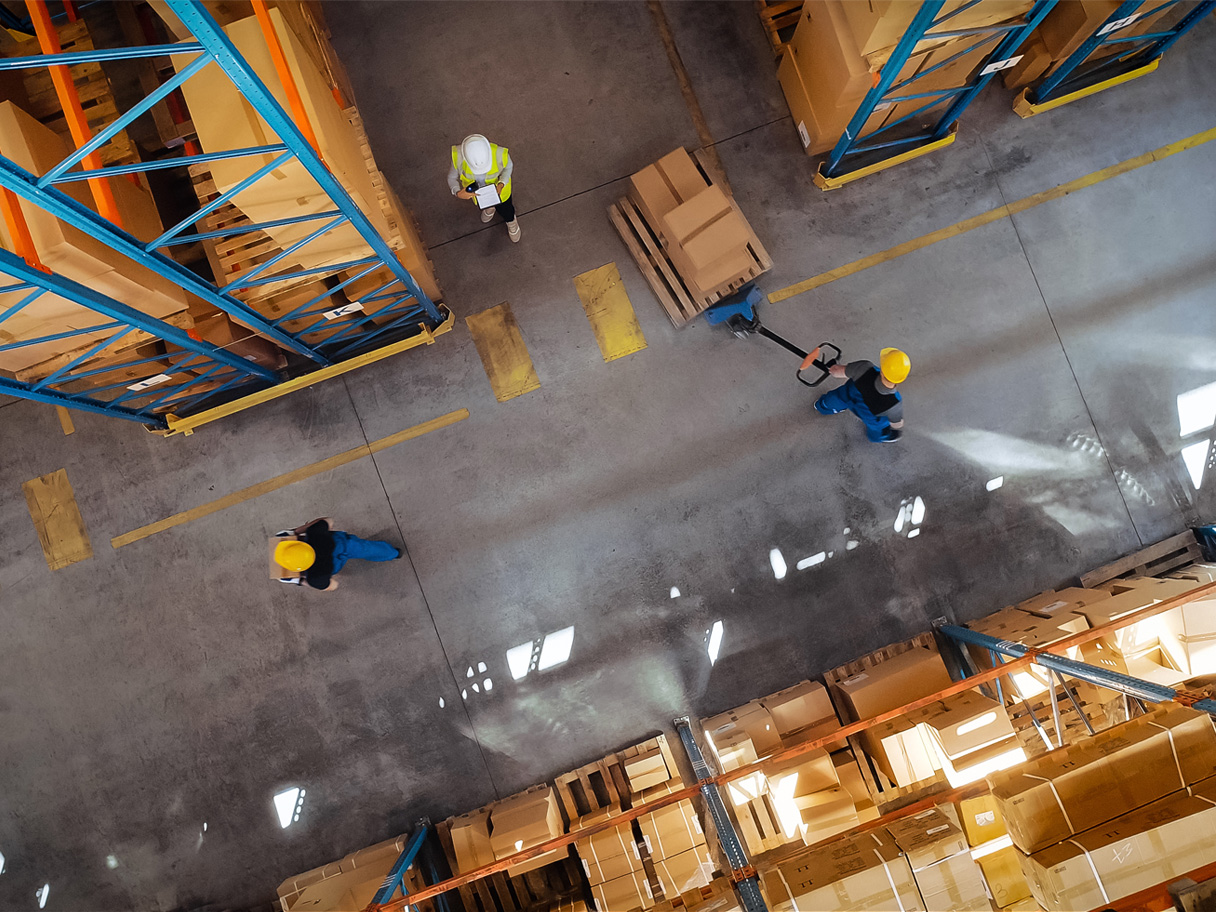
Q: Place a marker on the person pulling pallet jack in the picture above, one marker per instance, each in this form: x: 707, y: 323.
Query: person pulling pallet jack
x: 870, y: 390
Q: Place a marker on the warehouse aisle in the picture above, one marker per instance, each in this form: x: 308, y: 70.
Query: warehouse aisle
x: 155, y: 697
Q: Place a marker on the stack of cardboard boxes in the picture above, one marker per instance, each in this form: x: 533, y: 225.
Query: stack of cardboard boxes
x: 507, y: 827
x: 945, y: 873
x: 840, y: 46
x: 1123, y: 811
x: 675, y: 844
x: 809, y: 798
x: 701, y: 230
x: 340, y: 885
x: 993, y: 850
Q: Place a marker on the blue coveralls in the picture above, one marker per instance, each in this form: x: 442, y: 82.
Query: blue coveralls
x: 352, y: 547
x: 849, y: 397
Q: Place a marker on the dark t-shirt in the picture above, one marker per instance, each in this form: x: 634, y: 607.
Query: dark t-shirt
x: 322, y: 541
x: 879, y: 398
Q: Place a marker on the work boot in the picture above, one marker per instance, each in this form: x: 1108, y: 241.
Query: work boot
x: 487, y: 215
x: 514, y: 231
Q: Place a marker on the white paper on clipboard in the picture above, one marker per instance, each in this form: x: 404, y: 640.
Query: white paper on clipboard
x: 487, y: 196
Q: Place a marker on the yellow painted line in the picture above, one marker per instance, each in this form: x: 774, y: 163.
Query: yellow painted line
x: 832, y: 183
x: 289, y: 478
x: 65, y: 421
x: 993, y: 215
x: 57, y: 518
x: 610, y: 312
x: 189, y: 424
x: 503, y: 353
x: 1023, y: 108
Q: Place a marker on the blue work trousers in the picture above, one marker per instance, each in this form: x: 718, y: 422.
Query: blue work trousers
x: 352, y: 547
x: 848, y: 398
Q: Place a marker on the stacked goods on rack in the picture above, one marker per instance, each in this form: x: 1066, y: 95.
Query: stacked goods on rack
x: 1130, y: 808
x: 350, y: 883
x: 688, y: 236
x: 804, y: 800
x: 839, y: 48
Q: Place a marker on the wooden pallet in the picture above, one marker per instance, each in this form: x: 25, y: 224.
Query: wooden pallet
x: 886, y: 794
x: 603, y: 784
x: 93, y: 87
x: 779, y: 17
x: 548, y: 886
x: 1155, y: 560
x: 1088, y: 697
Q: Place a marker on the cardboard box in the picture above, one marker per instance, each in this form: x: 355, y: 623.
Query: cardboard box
x: 1075, y: 788
x: 849, y: 774
x: 623, y: 894
x: 981, y: 819
x: 954, y: 884
x: 833, y: 68
x: 1136, y: 851
x: 1002, y: 872
x: 819, y: 126
x: 1061, y: 602
x: 894, y: 682
x: 525, y: 820
x: 804, y: 705
x: 646, y: 770
x: 752, y: 720
x: 803, y: 775
x: 1066, y: 27
x: 823, y: 815
x: 672, y: 830
x: 927, y: 837
x: 735, y: 750
x: 657, y: 791
x: 685, y: 871
x: 221, y: 332
x: 659, y: 188
x: 601, y: 846
x: 749, y: 788
x: 602, y: 869
x: 533, y: 864
x: 865, y: 872
x: 471, y: 840
x: 966, y: 722
x: 877, y: 25
x: 706, y: 238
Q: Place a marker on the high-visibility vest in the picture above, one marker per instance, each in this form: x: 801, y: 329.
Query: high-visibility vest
x: 498, y: 162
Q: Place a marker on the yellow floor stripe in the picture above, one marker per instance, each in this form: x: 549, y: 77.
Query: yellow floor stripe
x: 503, y: 353
x: 290, y: 478
x: 57, y: 518
x: 610, y: 312
x: 993, y: 215
x: 65, y: 421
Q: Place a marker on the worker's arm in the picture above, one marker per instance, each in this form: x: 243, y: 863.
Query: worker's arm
x: 504, y: 176
x: 837, y: 371
x: 333, y: 584
x: 895, y: 415
x: 454, y: 185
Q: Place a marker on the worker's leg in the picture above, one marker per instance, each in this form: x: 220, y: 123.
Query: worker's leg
x: 835, y: 401
x: 507, y: 210
x: 878, y: 428
x: 356, y: 548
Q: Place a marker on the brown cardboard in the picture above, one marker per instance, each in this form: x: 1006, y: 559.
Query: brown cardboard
x: 805, y: 704
x: 865, y: 872
x: 819, y: 126
x: 1136, y: 851
x: 659, y: 188
x: 823, y: 815
x: 1066, y: 27
x: 833, y: 69
x: 471, y: 840
x: 624, y: 894
x: 617, y: 841
x: 894, y: 682
x: 646, y: 770
x: 899, y: 749
x: 981, y: 819
x: 981, y: 763
x: 1061, y: 602
x: 803, y: 775
x: 753, y: 720
x: 685, y: 871
x: 672, y: 830
x: 965, y: 722
x: 533, y: 864
x: 220, y: 331
x: 707, y: 239
x: 849, y: 774
x: 878, y: 25
x: 600, y: 869
x: 1003, y: 873
x: 523, y: 821
x: 954, y: 884
x: 1076, y: 788
x: 927, y: 837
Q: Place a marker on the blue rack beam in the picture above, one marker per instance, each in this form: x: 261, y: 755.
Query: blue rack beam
x: 396, y: 874
x: 926, y: 24
x: 405, y: 305
x: 1081, y: 70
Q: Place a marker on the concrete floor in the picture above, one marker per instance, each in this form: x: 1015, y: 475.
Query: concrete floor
x: 168, y: 686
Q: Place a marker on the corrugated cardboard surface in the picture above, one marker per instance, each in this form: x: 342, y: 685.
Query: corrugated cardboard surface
x: 672, y: 830
x: 624, y: 893
x: 894, y: 682
x: 685, y: 871
x: 806, y: 703
x: 954, y: 884
x: 981, y: 819
x: 927, y: 837
x: 1003, y: 873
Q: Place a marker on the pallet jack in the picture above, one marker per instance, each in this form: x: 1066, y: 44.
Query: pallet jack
x: 738, y: 312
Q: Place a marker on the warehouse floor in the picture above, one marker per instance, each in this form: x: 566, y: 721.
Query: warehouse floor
x: 156, y: 696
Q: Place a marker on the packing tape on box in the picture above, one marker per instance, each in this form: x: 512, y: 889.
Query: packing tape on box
x: 1093, y: 867
x: 788, y: 892
x: 1174, y: 751
x: 1059, y: 801
x: 891, y: 880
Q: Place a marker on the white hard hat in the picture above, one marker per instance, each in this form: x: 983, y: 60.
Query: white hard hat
x: 476, y: 151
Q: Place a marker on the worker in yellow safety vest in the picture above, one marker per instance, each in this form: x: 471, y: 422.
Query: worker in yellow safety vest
x: 477, y: 166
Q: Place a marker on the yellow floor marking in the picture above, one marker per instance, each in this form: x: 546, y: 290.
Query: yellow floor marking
x: 610, y: 312
x: 290, y: 478
x: 65, y: 421
x: 993, y: 215
x: 503, y: 353
x: 60, y: 526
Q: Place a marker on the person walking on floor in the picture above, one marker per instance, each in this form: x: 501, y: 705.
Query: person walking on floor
x: 870, y: 394
x: 478, y: 164
x: 319, y: 552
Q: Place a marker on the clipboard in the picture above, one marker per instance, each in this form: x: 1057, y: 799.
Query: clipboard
x: 487, y: 196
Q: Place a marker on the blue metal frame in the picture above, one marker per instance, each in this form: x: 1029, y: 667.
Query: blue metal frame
x: 1103, y: 677
x: 1079, y: 71
x: 926, y: 24
x: 407, y: 305
x: 392, y: 881
x: 749, y: 887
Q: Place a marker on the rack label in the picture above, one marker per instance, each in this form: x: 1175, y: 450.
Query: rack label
x: 151, y: 381
x: 1118, y: 24
x: 998, y: 65
x: 342, y: 311
x: 803, y: 134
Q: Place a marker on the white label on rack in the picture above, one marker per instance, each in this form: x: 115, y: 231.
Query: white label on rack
x: 353, y: 307
x: 151, y: 381
x: 803, y: 134
x: 999, y: 65
x: 1118, y: 24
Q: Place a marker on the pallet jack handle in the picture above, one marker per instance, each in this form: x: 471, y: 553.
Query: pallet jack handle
x: 813, y: 358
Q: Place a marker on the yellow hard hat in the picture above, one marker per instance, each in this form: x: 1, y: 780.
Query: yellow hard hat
x: 894, y: 365
x: 296, y: 556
